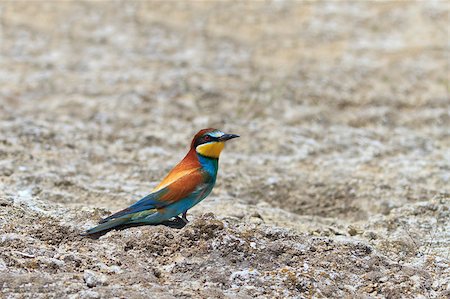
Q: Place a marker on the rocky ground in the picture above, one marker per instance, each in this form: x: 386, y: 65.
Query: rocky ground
x: 338, y: 186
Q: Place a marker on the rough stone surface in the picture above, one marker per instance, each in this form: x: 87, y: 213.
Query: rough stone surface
x: 337, y: 188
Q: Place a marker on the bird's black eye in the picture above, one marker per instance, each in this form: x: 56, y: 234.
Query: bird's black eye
x: 207, y: 138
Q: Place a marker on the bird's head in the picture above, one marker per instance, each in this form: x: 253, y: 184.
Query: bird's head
x: 210, y: 142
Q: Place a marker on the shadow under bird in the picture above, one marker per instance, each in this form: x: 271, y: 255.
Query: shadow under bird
x: 186, y: 185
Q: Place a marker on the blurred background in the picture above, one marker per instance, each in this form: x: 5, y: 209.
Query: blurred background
x: 339, y: 184
x: 343, y: 108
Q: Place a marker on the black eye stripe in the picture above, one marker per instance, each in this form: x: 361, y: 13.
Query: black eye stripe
x: 205, y: 139
x: 209, y: 138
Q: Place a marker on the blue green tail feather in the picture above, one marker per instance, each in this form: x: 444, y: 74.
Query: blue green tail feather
x: 106, y: 226
x: 130, y: 218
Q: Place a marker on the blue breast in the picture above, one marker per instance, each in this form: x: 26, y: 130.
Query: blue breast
x: 210, y: 165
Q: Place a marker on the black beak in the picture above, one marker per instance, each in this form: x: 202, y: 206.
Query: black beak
x: 226, y: 137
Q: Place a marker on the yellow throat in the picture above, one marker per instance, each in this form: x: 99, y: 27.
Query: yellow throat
x: 211, y: 150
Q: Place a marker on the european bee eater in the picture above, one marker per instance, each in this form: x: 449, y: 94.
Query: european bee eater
x: 186, y: 185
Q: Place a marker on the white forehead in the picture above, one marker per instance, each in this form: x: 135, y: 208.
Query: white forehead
x: 216, y: 133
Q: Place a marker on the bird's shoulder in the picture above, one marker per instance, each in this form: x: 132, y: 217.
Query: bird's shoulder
x: 184, y: 186
x: 188, y: 167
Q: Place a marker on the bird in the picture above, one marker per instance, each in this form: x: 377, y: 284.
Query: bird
x: 187, y: 184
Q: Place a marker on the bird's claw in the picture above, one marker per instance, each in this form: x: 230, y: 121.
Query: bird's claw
x: 177, y: 222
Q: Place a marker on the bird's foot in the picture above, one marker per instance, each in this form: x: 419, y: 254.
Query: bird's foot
x: 177, y: 222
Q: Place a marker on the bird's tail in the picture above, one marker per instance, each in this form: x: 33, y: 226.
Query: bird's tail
x: 106, y: 226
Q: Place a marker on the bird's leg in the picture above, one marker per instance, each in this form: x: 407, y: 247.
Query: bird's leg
x: 184, y: 217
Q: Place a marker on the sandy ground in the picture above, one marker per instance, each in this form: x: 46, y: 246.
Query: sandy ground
x: 338, y: 187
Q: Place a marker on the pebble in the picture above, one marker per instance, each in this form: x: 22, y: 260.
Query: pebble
x: 93, y: 279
